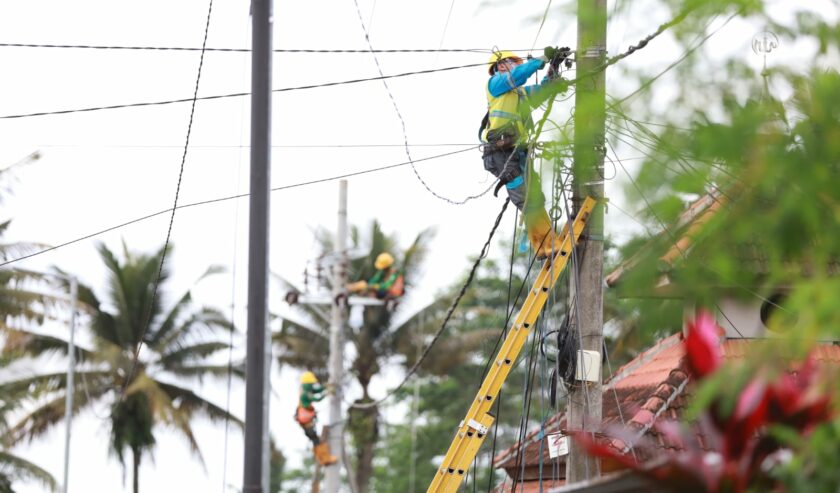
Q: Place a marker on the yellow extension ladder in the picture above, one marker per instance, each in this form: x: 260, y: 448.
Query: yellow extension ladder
x: 473, y: 429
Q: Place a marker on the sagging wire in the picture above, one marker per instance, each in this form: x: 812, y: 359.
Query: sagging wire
x: 139, y: 344
x: 224, y: 199
x: 229, y: 383
x: 654, y: 139
x: 402, y: 121
x: 509, y: 310
x: 617, y: 133
x: 248, y: 50
x: 655, y: 215
x: 446, y: 319
x: 575, y: 308
x: 525, y: 416
x: 542, y: 23
x: 236, y: 94
x: 685, y: 55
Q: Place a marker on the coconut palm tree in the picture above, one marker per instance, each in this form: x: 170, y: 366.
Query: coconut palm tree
x: 14, y: 468
x: 20, y: 303
x: 145, y: 393
x: 305, y: 343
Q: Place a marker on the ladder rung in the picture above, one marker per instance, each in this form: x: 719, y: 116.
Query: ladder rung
x: 468, y: 440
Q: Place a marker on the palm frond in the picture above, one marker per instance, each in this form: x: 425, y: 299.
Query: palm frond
x: 48, y: 414
x: 27, y: 343
x: 301, y: 346
x: 199, y: 372
x: 186, y: 399
x: 18, y: 468
x: 171, y: 319
x: 200, y: 323
x: 179, y: 356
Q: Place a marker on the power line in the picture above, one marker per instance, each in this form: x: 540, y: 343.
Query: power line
x: 542, y: 23
x: 679, y: 60
x: 223, y: 199
x: 632, y: 49
x: 139, y: 344
x: 402, y: 120
x: 245, y: 50
x: 236, y: 94
x: 446, y: 26
x: 449, y: 313
x: 673, y: 238
x: 241, y: 146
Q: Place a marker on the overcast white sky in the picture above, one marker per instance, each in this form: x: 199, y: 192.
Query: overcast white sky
x: 104, y: 168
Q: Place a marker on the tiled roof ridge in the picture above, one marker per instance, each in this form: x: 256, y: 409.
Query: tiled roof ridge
x: 707, y: 203
x: 642, y: 358
x: 655, y: 405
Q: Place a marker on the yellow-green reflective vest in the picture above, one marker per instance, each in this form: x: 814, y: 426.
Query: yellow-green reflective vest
x: 505, y: 111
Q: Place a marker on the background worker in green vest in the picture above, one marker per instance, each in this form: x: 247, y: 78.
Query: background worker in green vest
x: 387, y: 283
x: 310, y: 392
x: 505, y: 133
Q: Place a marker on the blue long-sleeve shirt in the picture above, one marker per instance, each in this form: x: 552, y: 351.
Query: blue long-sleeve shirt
x: 502, y: 82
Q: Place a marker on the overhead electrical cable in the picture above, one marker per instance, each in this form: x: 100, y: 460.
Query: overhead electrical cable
x: 246, y: 50
x: 236, y: 94
x: 665, y: 228
x: 632, y: 49
x: 402, y: 122
x: 443, y: 326
x: 223, y: 199
x: 243, y: 146
x: 139, y: 343
x: 446, y: 26
x: 233, y: 280
x: 679, y: 60
x: 542, y: 23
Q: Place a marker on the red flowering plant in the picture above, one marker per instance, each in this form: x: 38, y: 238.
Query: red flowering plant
x: 730, y: 443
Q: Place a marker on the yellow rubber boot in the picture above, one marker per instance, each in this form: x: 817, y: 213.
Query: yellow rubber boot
x: 323, y: 456
x: 544, y: 240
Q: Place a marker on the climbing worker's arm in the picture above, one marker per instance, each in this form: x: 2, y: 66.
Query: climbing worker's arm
x: 503, y: 82
x: 374, y: 281
x: 391, y: 279
x: 538, y: 93
x: 318, y: 393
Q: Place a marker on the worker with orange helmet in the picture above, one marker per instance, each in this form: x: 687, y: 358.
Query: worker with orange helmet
x: 504, y: 131
x: 310, y: 392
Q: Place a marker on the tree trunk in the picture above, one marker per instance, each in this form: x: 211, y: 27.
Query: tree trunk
x: 135, y: 457
x: 364, y: 428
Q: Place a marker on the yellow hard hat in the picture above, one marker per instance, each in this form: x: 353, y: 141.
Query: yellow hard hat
x: 383, y: 261
x: 308, y: 377
x: 498, y: 56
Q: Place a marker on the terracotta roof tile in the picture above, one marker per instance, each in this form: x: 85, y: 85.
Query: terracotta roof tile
x: 651, y: 387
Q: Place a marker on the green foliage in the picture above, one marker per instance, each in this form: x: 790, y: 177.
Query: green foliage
x: 773, y: 166
x: 131, y: 425
x: 142, y: 394
x: 814, y: 466
x: 450, y: 378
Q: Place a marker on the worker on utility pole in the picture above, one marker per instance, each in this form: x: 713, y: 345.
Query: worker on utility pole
x: 311, y: 391
x: 505, y: 130
x: 387, y: 283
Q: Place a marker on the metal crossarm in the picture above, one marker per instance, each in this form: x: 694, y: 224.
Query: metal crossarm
x: 473, y: 429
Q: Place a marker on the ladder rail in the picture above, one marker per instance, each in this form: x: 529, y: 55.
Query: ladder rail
x: 473, y: 429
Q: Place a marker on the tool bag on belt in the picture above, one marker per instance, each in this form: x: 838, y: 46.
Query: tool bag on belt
x: 304, y: 416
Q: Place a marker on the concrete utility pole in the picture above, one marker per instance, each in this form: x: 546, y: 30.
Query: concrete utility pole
x: 256, y: 407
x: 584, y: 408
x: 71, y: 371
x: 336, y: 363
